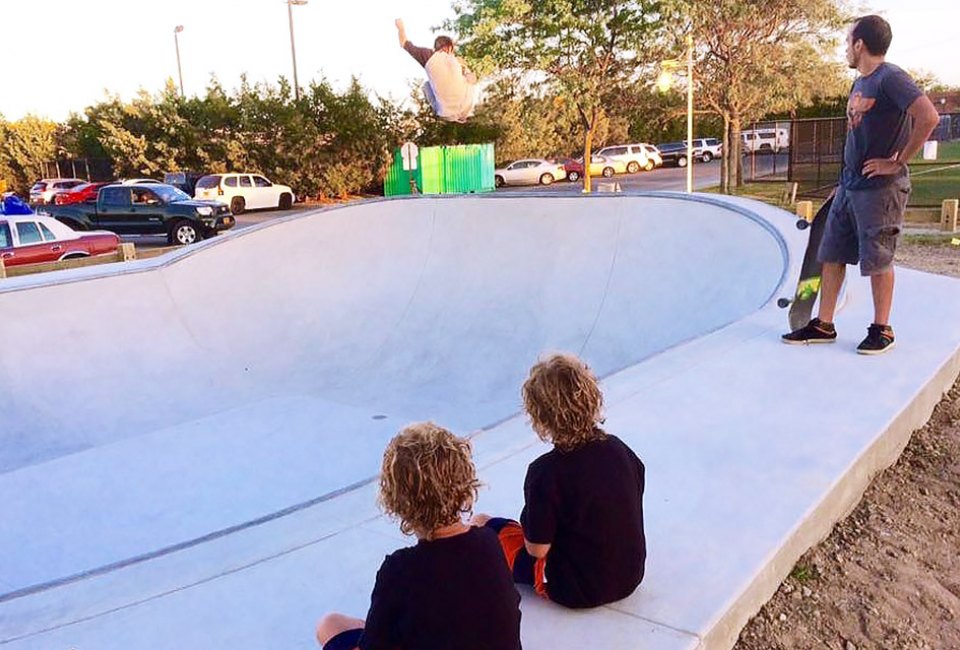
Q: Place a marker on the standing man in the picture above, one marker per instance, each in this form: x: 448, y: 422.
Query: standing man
x: 451, y: 89
x: 888, y: 120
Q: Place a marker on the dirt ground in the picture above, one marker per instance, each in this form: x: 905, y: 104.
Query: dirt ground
x: 888, y: 576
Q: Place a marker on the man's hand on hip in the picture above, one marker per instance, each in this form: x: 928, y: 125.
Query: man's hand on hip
x: 883, y: 166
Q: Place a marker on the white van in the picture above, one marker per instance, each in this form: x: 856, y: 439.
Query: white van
x: 770, y: 140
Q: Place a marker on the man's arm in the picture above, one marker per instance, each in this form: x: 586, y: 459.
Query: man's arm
x: 467, y: 73
x: 925, y: 120
x: 401, y: 31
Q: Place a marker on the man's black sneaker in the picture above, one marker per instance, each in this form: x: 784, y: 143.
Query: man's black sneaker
x: 816, y: 331
x: 879, y: 339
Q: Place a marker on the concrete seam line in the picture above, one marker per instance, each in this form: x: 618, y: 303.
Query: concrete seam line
x: 168, y: 550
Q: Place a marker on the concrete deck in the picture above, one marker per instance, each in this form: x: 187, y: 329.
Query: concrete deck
x: 188, y: 448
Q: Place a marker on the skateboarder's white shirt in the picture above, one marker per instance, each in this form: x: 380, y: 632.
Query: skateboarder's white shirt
x: 451, y: 88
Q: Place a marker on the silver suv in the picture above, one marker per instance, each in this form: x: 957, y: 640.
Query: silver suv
x: 706, y: 149
x: 634, y: 156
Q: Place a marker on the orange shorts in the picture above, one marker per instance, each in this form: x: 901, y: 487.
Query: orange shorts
x: 525, y: 568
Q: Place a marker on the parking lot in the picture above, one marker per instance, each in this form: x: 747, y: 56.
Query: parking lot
x: 662, y: 179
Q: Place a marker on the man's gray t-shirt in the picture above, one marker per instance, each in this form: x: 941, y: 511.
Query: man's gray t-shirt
x: 878, y: 124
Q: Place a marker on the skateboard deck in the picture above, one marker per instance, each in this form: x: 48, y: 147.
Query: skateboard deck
x: 808, y: 286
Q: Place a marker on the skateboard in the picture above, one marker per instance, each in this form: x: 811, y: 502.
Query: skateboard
x: 808, y: 286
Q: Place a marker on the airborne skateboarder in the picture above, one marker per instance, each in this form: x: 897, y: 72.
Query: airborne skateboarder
x: 451, y: 86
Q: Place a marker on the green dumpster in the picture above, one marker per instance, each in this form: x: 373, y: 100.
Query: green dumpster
x: 459, y: 169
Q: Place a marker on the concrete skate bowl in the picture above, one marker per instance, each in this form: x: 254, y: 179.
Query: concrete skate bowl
x: 200, y: 392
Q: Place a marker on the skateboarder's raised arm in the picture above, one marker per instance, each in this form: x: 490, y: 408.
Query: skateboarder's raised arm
x: 401, y: 32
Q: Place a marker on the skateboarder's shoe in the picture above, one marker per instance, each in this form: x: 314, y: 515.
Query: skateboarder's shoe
x: 816, y: 331
x: 879, y: 340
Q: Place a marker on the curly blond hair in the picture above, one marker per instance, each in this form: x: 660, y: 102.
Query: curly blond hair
x: 564, y: 402
x: 428, y: 479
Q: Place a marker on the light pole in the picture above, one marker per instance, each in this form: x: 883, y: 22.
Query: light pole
x: 176, y: 42
x: 668, y: 69
x: 293, y: 49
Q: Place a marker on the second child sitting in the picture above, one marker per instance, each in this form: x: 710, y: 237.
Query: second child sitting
x: 580, y: 539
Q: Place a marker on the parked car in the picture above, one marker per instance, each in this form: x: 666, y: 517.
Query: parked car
x: 529, y: 172
x: 148, y: 209
x: 43, y: 191
x: 183, y: 181
x: 634, y: 156
x: 33, y: 238
x: 84, y: 193
x: 140, y: 181
x: 769, y: 140
x: 706, y: 149
x: 244, y: 192
x: 599, y: 166
x: 675, y: 153
x: 653, y: 154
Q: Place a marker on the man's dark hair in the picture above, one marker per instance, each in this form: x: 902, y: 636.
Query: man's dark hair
x: 442, y: 42
x: 875, y: 33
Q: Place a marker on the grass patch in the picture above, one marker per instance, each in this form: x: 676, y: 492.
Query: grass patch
x: 929, y: 239
x: 948, y: 151
x: 804, y: 573
x: 932, y: 184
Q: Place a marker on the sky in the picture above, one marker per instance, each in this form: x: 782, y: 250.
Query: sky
x: 63, y: 55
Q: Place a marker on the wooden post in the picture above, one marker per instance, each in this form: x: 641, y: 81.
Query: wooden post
x: 805, y: 210
x: 948, y: 215
x: 3, y: 270
x: 126, y: 252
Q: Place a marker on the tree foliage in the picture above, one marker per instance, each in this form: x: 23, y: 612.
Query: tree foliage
x: 580, y: 50
x: 755, y: 57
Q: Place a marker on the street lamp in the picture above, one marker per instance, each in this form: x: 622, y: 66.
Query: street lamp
x: 668, y: 69
x: 293, y: 49
x: 176, y: 42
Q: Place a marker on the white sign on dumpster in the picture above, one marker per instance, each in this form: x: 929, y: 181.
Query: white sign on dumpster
x: 930, y: 150
x: 409, y: 152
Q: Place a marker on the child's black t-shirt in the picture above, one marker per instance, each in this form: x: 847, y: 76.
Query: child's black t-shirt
x: 454, y: 592
x: 588, y: 504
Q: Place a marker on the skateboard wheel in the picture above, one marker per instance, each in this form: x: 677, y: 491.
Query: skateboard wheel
x: 783, y: 303
x: 802, y: 224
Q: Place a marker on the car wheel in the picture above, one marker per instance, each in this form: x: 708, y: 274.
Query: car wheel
x: 498, y: 181
x: 546, y: 179
x: 632, y: 167
x: 286, y: 201
x: 682, y: 161
x: 765, y: 148
x: 706, y: 157
x: 607, y: 172
x: 183, y: 233
x: 648, y: 167
x: 573, y: 177
x: 238, y: 205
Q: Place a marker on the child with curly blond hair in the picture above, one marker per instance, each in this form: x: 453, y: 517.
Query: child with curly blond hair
x: 580, y: 539
x: 452, y: 589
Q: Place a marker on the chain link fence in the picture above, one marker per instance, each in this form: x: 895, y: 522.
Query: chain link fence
x: 809, y: 152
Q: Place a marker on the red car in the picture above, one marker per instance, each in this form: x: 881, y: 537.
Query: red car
x: 31, y: 239
x: 86, y: 193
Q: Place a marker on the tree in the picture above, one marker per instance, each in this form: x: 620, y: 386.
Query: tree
x: 583, y: 50
x: 25, y: 145
x: 755, y: 57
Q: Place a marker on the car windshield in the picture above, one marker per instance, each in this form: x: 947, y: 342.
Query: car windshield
x: 170, y: 194
x: 208, y: 182
x: 39, y: 187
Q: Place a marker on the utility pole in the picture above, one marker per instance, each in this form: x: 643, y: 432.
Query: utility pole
x: 293, y: 48
x: 176, y: 42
